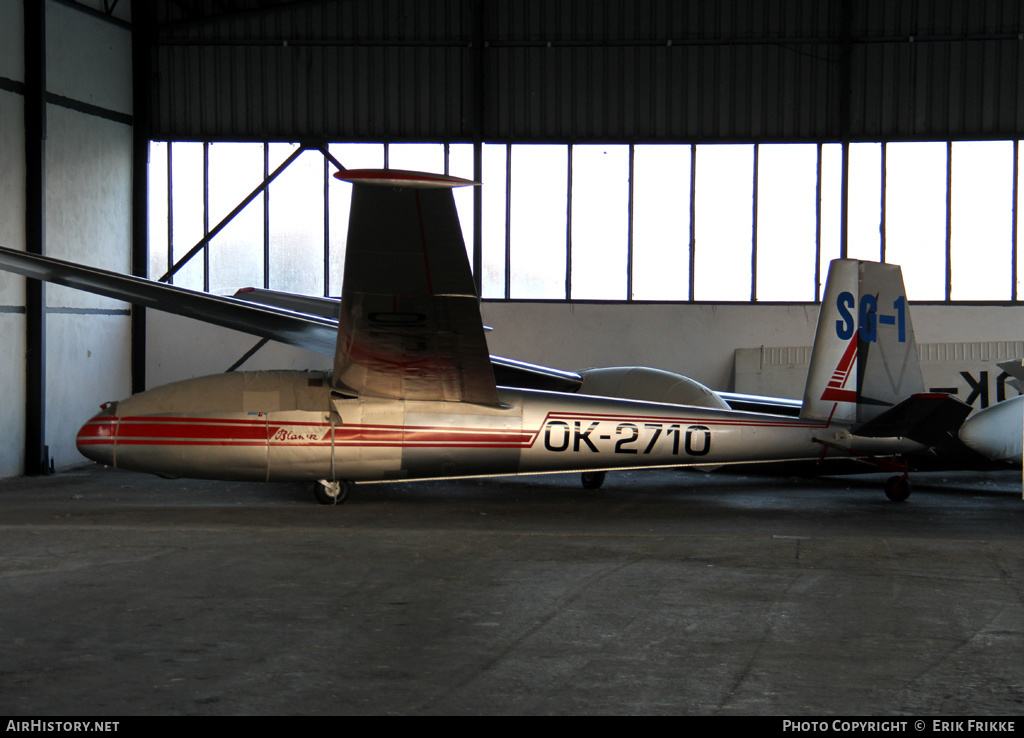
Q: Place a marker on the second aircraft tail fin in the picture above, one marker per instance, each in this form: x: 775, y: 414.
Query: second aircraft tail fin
x: 864, y: 358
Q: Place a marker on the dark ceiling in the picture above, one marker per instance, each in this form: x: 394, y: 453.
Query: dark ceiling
x: 585, y: 70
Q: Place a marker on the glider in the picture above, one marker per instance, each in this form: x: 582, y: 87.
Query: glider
x: 414, y: 393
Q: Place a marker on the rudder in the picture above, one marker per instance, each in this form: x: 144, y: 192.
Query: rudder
x: 864, y: 358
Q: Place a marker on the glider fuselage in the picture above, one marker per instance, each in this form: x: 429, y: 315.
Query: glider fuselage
x: 291, y: 426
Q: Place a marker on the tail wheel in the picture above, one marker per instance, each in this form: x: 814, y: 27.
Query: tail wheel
x: 897, y: 489
x: 329, y: 492
x: 592, y: 480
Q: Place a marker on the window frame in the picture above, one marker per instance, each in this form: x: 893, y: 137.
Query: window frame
x: 498, y: 257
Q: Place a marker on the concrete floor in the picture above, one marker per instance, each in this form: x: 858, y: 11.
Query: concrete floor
x: 662, y: 593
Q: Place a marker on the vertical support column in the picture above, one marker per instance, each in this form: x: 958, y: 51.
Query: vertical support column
x: 630, y: 211
x: 478, y: 217
x: 755, y: 189
x: 142, y: 39
x: 508, y: 221
x: 881, y: 205
x: 568, y: 225
x: 693, y: 221
x: 478, y: 103
x: 949, y: 221
x: 206, y: 215
x: 327, y: 222
x: 266, y: 216
x: 845, y: 104
x: 844, y: 202
x: 36, y: 453
x: 1015, y: 194
x: 817, y: 229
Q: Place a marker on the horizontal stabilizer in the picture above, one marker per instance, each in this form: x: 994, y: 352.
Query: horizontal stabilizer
x: 762, y: 404
x: 928, y: 418
x: 401, y: 178
x: 1013, y: 367
x: 514, y: 373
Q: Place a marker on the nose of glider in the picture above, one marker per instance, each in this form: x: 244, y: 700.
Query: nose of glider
x: 996, y: 432
x: 96, y: 439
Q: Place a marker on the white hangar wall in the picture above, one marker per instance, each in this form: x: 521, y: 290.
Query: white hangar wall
x: 699, y: 341
x: 88, y: 218
x: 87, y: 175
x: 12, y: 234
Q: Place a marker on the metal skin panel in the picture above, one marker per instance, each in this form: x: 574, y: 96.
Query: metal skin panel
x: 219, y: 446
x: 373, y: 440
x: 298, y: 445
x: 368, y: 437
x: 246, y: 425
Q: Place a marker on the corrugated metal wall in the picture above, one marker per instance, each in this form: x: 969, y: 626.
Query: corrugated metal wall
x: 576, y: 70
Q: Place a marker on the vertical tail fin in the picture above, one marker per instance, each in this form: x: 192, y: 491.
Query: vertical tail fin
x: 864, y: 358
x: 409, y: 323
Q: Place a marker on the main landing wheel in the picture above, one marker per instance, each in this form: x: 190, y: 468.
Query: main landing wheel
x: 592, y: 480
x: 897, y: 489
x: 330, y: 493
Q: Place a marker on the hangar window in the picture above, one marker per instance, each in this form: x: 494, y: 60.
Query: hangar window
x: 237, y: 260
x: 787, y: 222
x: 707, y: 222
x: 296, y: 215
x: 599, y: 236
x: 724, y: 224
x: 864, y: 229
x: 981, y: 231
x: 661, y: 222
x: 915, y: 216
x: 537, y: 181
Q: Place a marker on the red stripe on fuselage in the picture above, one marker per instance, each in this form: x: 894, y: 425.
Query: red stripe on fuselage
x: 220, y: 432
x: 180, y: 431
x: 131, y: 428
